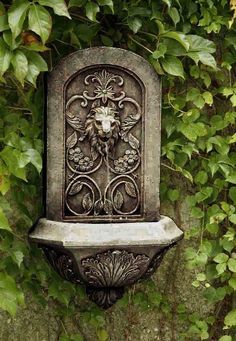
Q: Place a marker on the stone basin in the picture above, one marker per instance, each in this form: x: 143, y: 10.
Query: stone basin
x: 106, y: 256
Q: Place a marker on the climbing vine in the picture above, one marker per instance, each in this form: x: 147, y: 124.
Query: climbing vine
x: 192, y: 45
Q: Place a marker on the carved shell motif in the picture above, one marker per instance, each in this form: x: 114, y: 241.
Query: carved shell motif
x: 114, y: 268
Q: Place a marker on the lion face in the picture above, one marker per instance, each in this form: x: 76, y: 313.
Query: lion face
x: 102, y: 128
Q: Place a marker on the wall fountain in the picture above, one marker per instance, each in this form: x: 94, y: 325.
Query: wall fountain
x: 103, y: 228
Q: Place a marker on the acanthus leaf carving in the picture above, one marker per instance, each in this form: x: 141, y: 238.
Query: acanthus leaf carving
x: 114, y: 268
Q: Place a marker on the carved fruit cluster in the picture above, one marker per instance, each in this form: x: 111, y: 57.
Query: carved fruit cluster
x: 84, y: 163
x: 127, y: 161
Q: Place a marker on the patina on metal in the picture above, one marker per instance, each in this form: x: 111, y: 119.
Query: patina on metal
x: 103, y: 227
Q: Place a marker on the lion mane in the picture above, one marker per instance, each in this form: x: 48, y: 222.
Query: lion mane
x: 100, y: 144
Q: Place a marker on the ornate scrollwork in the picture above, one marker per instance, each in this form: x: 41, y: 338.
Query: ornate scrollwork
x: 104, y: 275
x: 62, y: 263
x: 104, y: 297
x: 101, y: 127
x: 114, y: 268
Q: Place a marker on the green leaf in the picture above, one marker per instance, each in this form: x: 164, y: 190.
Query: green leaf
x: 15, y: 161
x: 18, y: 257
x: 91, y: 10
x: 201, y: 277
x: 108, y: 3
x: 196, y: 212
x: 220, y: 268
x: 160, y: 52
x: 232, y: 264
x: 173, y: 194
x: 195, y: 96
x: 230, y: 318
x: 232, y: 282
x: 40, y: 21
x: 192, y: 130
x: 226, y: 338
x: 36, y: 64
x: 174, y: 14
x: 231, y: 178
x: 4, y: 224
x: 3, y: 23
x: 233, y: 100
x: 77, y: 3
x: 20, y: 65
x: 173, y: 66
x: 106, y: 40
x: 9, y: 40
x: 36, y: 46
x: 134, y: 23
x: 232, y: 218
x: 201, y: 177
x: 167, y: 2
x: 179, y: 37
x: 198, y: 43
x: 16, y: 16
x: 207, y: 97
x: 10, y: 295
x: 5, y: 57
x: 221, y: 258
x: 203, y: 57
x: 35, y: 158
x: 212, y: 228
x: 232, y: 194
x: 59, y: 6
x: 5, y: 184
x: 102, y: 335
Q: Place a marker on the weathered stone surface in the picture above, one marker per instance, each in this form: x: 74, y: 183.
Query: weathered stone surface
x: 103, y: 138
x: 78, y: 235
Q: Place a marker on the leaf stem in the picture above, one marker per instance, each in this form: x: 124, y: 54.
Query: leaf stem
x: 138, y: 43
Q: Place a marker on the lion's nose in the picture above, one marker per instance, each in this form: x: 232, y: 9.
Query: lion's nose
x: 106, y: 126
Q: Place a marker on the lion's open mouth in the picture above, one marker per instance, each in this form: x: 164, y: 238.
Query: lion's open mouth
x: 104, y: 138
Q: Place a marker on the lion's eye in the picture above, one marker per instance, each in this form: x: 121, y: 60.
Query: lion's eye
x: 99, y: 123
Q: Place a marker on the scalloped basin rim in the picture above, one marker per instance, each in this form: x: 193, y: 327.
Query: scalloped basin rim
x: 162, y: 232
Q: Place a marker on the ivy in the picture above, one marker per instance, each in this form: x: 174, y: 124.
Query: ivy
x: 192, y: 45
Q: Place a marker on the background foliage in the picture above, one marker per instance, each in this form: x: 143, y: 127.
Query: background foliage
x: 193, y: 45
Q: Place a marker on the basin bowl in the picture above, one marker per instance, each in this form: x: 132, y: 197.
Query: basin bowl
x: 105, y: 257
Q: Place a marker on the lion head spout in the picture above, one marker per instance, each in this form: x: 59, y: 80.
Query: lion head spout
x: 102, y: 128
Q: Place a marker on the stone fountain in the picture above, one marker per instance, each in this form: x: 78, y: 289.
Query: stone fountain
x: 103, y: 228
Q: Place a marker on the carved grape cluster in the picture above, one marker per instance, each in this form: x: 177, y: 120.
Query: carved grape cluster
x: 84, y: 163
x: 127, y: 161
